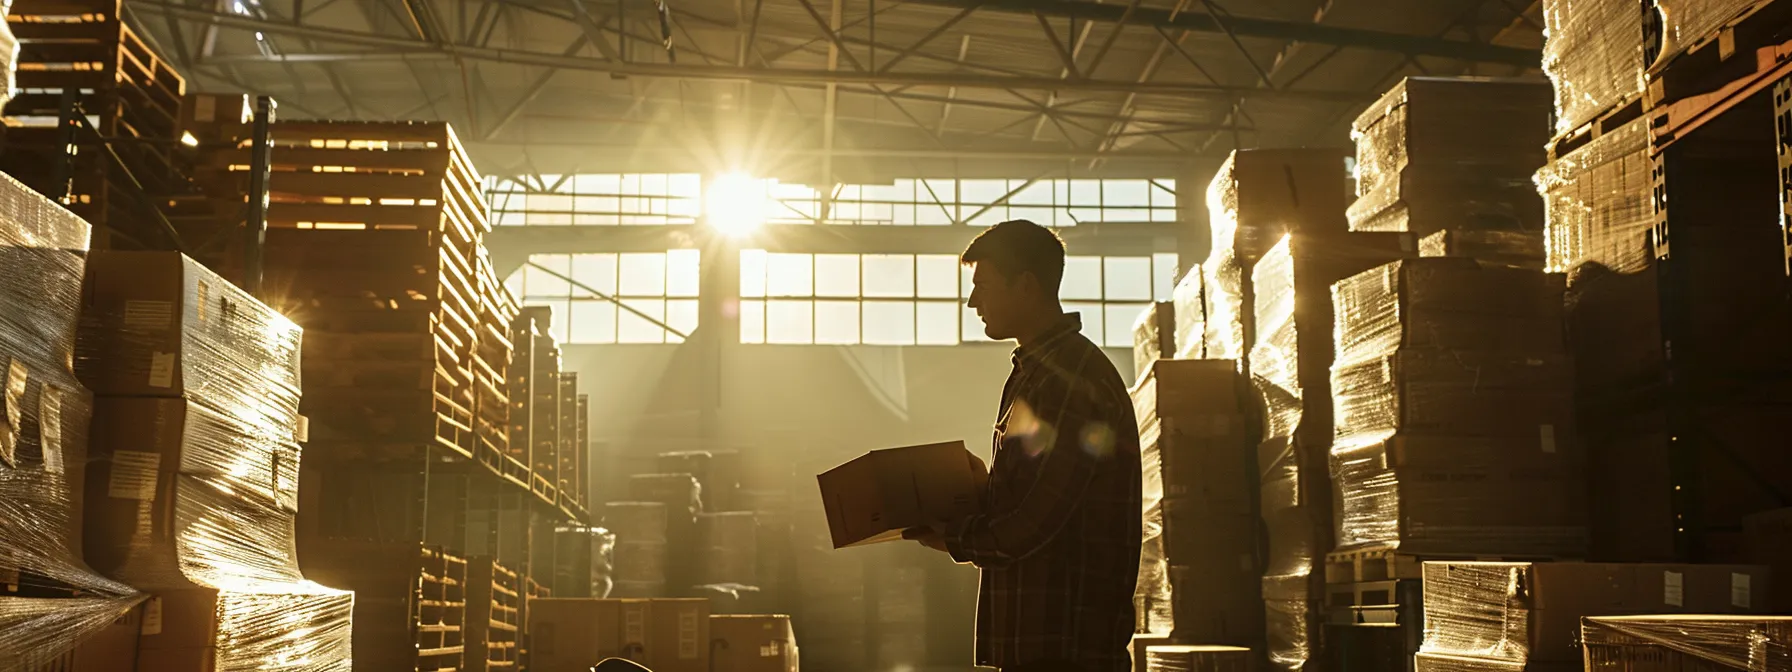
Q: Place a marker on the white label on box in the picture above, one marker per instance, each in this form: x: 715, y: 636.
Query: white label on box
x: 150, y: 315
x: 201, y: 293
x: 634, y: 624
x: 1739, y: 591
x: 161, y: 369
x: 49, y: 427
x: 152, y: 617
x: 1546, y: 436
x: 1673, y: 590
x: 134, y: 475
x: 688, y: 646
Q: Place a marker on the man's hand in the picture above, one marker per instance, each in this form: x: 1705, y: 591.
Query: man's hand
x: 928, y: 536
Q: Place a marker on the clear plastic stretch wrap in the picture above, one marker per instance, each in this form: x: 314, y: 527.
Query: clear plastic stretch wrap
x: 1291, y: 613
x: 1451, y: 153
x: 158, y: 324
x: 1686, y: 23
x: 1597, y: 202
x: 1714, y: 643
x: 730, y: 548
x: 1182, y: 658
x: 1454, y: 415
x: 1521, y: 613
x: 1593, y: 53
x: 44, y: 412
x: 1190, y: 302
x: 603, y: 562
x: 199, y: 507
x: 9, y: 55
x: 1227, y: 288
x: 1514, y: 249
x: 1151, y: 597
x: 1153, y: 336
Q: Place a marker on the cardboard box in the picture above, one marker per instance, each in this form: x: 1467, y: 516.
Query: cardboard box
x: 1260, y: 194
x: 1447, y: 152
x: 1511, y: 249
x: 1448, y: 303
x: 753, y: 643
x: 1463, y: 495
x: 874, y: 497
x: 1457, y: 392
x: 1539, y: 606
x: 112, y: 649
x: 158, y: 324
x: 1153, y: 336
x: 162, y: 468
x: 666, y: 635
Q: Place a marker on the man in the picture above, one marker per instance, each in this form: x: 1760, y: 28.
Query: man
x: 1058, y: 539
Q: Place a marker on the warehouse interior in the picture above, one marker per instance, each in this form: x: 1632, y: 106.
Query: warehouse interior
x: 430, y: 335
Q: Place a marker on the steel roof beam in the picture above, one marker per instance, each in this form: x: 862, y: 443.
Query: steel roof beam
x: 1298, y: 31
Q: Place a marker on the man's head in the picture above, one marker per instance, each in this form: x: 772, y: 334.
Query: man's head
x: 1016, y: 268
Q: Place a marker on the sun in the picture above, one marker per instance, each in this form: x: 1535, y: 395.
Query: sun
x: 735, y: 204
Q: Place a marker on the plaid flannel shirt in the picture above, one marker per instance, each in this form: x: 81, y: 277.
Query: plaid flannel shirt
x: 1059, y: 538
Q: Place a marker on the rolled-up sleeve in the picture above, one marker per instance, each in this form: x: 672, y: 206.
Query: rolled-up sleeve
x: 1069, y: 438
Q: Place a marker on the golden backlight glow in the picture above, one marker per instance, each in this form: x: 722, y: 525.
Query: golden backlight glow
x: 735, y: 204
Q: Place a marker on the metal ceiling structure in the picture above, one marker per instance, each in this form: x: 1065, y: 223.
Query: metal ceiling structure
x: 850, y: 89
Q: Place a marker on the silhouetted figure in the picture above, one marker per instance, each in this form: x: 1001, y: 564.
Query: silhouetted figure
x: 1059, y: 535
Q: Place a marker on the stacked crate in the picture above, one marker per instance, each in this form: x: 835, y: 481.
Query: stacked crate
x: 535, y: 395
x: 494, y: 599
x: 1450, y: 161
x: 1687, y: 642
x: 569, y: 468
x: 1198, y: 569
x: 44, y: 412
x: 1671, y: 229
x: 1529, y: 616
x: 493, y: 353
x: 133, y: 96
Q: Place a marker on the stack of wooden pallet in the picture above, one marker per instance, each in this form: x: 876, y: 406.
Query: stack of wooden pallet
x: 132, y: 98
x: 410, y: 605
x: 494, y: 609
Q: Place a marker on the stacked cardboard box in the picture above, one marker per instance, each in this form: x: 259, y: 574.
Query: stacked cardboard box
x: 1438, y: 155
x: 44, y: 413
x: 665, y: 635
x: 193, y: 478
x: 832, y: 601
x: 898, y: 591
x: 753, y: 643
x: 1153, y: 336
x: 1501, y: 615
x: 1673, y: 642
x: 1593, y: 56
x: 1199, y: 563
x: 1189, y: 302
x: 716, y: 471
x: 729, y: 545
x: 1257, y: 197
x: 640, y: 529
x: 1455, y: 424
x: 1184, y: 658
x: 1290, y: 365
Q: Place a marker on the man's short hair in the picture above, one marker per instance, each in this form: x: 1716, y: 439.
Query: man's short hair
x: 1020, y: 246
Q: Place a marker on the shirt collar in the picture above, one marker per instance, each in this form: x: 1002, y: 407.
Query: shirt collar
x: 1068, y: 323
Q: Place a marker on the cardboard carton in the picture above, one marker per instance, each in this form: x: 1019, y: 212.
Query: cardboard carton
x: 1532, y: 611
x: 1153, y: 336
x: 158, y: 324
x: 753, y: 643
x: 876, y: 496
x: 666, y: 635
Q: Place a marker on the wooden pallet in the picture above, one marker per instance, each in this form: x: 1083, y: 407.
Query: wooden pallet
x: 410, y: 601
x: 1608, y: 121
x: 441, y: 611
x: 493, y: 624
x: 1712, y: 61
x: 359, y: 424
x: 1369, y: 565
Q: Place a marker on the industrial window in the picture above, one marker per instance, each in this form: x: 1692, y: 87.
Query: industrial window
x: 657, y: 285
x: 940, y: 202
x: 849, y: 299
x: 901, y: 299
x: 596, y: 199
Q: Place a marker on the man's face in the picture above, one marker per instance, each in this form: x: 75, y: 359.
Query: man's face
x: 998, y: 300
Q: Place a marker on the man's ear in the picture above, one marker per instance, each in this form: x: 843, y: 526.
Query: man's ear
x: 1027, y: 284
